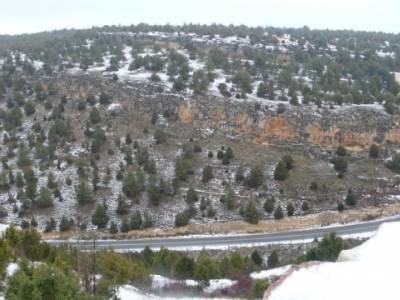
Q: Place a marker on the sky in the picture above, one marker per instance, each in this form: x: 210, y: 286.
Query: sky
x: 27, y: 16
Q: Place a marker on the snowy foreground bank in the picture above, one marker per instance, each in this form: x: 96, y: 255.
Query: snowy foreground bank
x: 365, y: 272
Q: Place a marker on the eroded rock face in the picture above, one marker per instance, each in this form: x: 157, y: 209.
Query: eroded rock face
x: 356, y: 127
x: 351, y: 126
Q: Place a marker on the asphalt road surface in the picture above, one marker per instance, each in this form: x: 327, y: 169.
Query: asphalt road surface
x: 225, y: 240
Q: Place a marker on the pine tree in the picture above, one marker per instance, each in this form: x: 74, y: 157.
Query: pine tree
x: 207, y: 174
x: 84, y: 193
x: 251, y: 214
x: 290, y: 209
x: 153, y: 192
x: 181, y: 219
x: 350, y: 198
x: 341, y: 151
x: 273, y: 260
x: 255, y: 178
x: 374, y: 151
x: 191, y: 196
x: 136, y: 221
x: 147, y: 220
x: 340, y: 206
x: 122, y: 207
x: 269, y: 205
x: 44, y: 198
x: 278, y: 213
x: 113, y: 228
x: 281, y: 172
x: 100, y: 217
x: 256, y: 258
x: 230, y: 198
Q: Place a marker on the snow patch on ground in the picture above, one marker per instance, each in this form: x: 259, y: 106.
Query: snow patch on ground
x: 128, y: 292
x: 218, y: 284
x: 366, y: 272
x: 268, y: 274
x: 11, y: 269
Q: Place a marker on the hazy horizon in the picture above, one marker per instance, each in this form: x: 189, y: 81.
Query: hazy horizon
x: 24, y: 16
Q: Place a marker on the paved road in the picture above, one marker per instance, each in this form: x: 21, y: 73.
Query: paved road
x: 227, y: 240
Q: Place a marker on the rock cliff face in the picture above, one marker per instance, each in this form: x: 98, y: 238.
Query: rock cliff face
x: 352, y: 126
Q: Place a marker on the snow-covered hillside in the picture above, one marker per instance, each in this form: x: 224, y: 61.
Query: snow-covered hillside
x: 365, y: 272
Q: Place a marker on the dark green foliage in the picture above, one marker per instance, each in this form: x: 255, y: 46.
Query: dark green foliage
x: 230, y: 198
x: 258, y: 288
x: 269, y: 205
x: 278, y: 213
x: 66, y: 224
x: 29, y: 108
x: 153, y: 192
x: 160, y: 136
x: 243, y: 80
x: 340, y: 164
x: 181, y: 219
x: 305, y: 206
x: 183, y: 168
x: 44, y: 198
x: 374, y: 151
x: 136, y: 221
x: 113, y: 228
x: 191, y: 196
x: 50, y: 225
x: 394, y: 163
x: 100, y: 217
x: 94, y: 116
x: 251, y: 214
x: 207, y: 174
x: 281, y: 171
x: 184, y: 267
x: 314, y: 186
x: 328, y: 249
x: 256, y: 258
x: 341, y: 151
x: 43, y: 282
x: 290, y: 209
x: 84, y: 193
x: 255, y: 178
x: 340, y: 206
x: 350, y: 198
x: 123, y: 206
x: 273, y: 260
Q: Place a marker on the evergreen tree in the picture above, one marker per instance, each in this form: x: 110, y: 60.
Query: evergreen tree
x: 341, y: 151
x: 113, y: 228
x: 191, y: 196
x: 273, y: 260
x: 44, y: 198
x: 207, y: 174
x: 184, y: 267
x: 374, y: 151
x: 255, y: 178
x: 350, y: 198
x: 153, y: 192
x: 290, y: 209
x: 122, y: 207
x: 269, y: 205
x: 181, y: 219
x: 230, y: 198
x: 281, y: 172
x: 84, y: 193
x: 251, y: 214
x: 147, y: 220
x: 100, y: 217
x: 136, y: 221
x: 256, y: 258
x: 278, y: 213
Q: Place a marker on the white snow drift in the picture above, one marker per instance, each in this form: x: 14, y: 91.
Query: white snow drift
x: 369, y: 271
